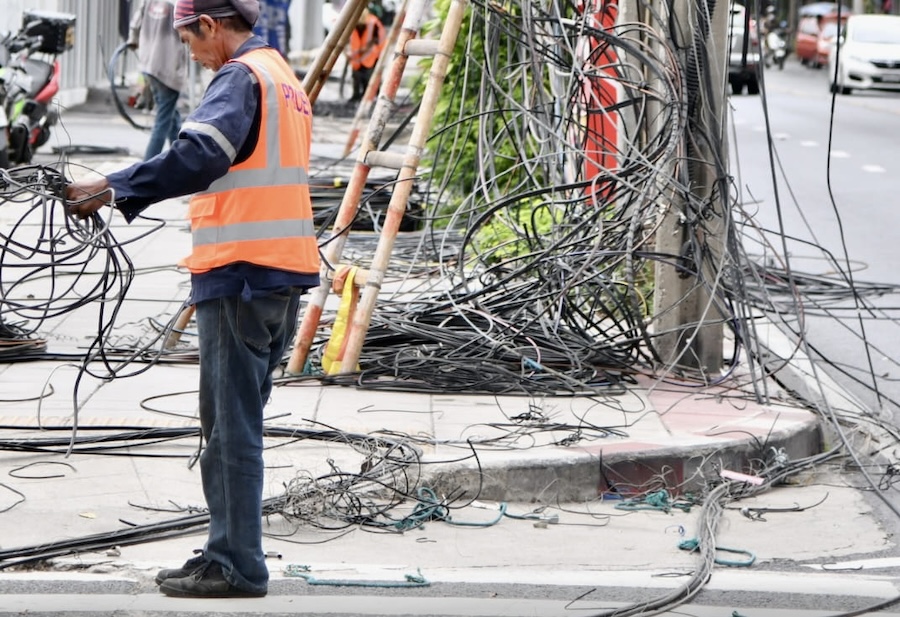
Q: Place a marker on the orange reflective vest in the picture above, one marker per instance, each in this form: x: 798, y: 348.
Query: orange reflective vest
x: 260, y: 212
x: 365, y: 48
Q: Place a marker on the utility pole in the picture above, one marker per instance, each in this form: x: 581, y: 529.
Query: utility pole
x: 687, y: 322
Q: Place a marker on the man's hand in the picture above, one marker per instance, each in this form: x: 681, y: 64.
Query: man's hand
x: 86, y: 197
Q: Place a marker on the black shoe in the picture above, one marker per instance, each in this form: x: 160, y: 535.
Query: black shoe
x: 190, y: 566
x: 207, y: 582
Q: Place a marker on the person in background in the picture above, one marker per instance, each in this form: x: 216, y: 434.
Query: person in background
x: 163, y: 60
x: 385, y: 10
x: 769, y: 21
x: 244, y: 155
x: 274, y: 25
x: 366, y: 42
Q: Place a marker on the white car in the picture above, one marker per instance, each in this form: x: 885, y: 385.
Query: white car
x: 867, y: 56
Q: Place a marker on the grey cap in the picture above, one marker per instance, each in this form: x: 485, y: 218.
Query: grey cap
x: 189, y: 11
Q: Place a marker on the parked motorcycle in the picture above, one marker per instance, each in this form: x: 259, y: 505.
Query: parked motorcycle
x: 29, y: 79
x: 776, y: 50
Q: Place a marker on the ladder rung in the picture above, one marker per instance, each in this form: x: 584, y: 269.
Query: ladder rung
x: 422, y: 47
x: 379, y: 158
x: 359, y: 279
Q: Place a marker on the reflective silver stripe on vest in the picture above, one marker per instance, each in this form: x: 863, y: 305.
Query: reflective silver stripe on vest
x: 249, y: 178
x: 275, y: 174
x: 272, y: 133
x: 244, y: 232
x: 216, y: 134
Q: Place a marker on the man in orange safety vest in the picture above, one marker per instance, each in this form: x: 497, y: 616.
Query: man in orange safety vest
x: 366, y: 42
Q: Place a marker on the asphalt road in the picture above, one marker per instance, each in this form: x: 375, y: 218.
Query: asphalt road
x: 830, y: 183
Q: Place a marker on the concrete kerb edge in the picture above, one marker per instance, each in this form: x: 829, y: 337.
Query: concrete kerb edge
x: 831, y: 401
x: 576, y: 475
x: 582, y: 476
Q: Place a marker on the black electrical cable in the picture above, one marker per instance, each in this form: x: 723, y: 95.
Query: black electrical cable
x: 115, y: 60
x: 385, y: 470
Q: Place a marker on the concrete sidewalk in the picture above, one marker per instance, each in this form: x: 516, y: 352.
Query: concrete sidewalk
x: 115, y: 460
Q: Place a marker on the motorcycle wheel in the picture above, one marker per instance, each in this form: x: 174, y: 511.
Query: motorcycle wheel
x: 4, y: 151
x: 43, y: 135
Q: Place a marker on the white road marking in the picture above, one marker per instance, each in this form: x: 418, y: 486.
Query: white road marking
x: 364, y: 605
x: 860, y: 564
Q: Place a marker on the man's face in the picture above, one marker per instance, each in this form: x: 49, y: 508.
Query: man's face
x: 207, y: 48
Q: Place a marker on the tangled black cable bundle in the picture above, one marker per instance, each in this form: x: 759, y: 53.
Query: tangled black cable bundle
x: 52, y: 264
x: 389, y: 469
x: 48, y: 256
x: 544, y: 260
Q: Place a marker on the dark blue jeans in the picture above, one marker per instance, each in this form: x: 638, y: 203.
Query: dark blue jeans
x: 241, y: 344
x: 168, y: 121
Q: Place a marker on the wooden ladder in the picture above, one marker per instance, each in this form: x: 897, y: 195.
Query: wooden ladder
x: 369, y: 156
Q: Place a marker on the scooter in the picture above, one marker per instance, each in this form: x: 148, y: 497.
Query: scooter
x: 776, y: 48
x: 29, y: 79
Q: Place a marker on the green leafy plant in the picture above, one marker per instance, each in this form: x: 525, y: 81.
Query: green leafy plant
x: 462, y: 116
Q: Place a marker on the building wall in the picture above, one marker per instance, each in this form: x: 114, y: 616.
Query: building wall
x: 97, y: 35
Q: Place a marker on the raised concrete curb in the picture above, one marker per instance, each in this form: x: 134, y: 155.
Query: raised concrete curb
x: 696, y: 439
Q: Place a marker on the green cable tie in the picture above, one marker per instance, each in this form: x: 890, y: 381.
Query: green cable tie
x: 429, y: 508
x: 660, y: 500
x: 693, y: 544
x: 652, y: 501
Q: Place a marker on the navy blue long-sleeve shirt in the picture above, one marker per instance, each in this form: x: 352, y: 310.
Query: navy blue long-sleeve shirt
x: 222, y: 130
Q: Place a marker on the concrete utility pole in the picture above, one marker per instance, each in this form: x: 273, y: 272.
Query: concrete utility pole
x: 689, y: 325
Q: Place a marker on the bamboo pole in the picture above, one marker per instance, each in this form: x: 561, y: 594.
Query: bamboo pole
x: 403, y: 187
x: 332, y: 48
x: 368, y: 99
x: 350, y: 203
